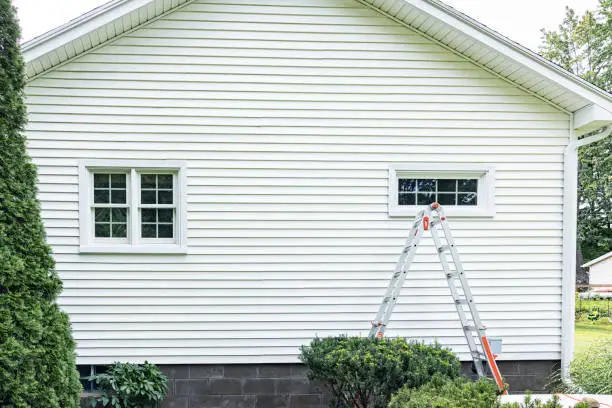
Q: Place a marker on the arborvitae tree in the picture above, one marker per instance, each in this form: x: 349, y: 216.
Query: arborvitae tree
x: 37, y: 359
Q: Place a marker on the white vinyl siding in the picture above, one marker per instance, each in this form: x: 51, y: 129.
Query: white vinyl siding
x: 288, y: 115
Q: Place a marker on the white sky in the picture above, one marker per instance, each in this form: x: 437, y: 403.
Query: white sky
x: 519, y: 20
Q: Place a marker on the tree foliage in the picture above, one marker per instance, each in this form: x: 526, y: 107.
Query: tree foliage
x: 583, y: 45
x: 37, y: 361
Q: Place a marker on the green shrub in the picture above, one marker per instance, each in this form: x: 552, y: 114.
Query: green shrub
x: 461, y: 393
x: 37, y: 360
x: 365, y: 372
x: 591, y: 370
x: 444, y: 393
x: 127, y: 385
x: 531, y: 403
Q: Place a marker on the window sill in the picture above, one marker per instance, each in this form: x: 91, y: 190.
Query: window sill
x: 413, y: 210
x: 133, y: 249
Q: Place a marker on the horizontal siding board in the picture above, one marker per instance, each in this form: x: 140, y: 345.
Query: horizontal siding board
x: 289, y: 115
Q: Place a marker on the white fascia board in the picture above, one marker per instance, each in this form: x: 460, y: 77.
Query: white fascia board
x: 79, y: 27
x: 591, y: 118
x: 597, y: 260
x: 513, y: 51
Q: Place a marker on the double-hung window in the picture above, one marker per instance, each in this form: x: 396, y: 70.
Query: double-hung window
x: 132, y: 206
x: 463, y: 189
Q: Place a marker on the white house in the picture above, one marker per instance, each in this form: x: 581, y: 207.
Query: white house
x: 600, y: 272
x: 214, y: 180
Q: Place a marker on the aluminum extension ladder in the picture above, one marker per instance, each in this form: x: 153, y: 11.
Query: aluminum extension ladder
x: 475, y: 332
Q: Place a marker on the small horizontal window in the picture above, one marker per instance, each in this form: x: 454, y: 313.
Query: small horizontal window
x: 465, y: 190
x: 446, y: 192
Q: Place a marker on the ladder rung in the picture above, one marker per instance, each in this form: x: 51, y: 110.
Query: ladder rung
x: 443, y: 248
x: 478, y: 356
x: 469, y: 327
x: 463, y: 301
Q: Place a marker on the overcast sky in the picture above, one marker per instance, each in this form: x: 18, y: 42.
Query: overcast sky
x: 520, y: 20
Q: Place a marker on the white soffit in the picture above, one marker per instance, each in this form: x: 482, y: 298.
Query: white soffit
x: 432, y: 18
x: 90, y: 30
x: 501, y: 56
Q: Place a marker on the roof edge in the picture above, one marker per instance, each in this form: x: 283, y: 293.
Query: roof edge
x: 597, y: 260
x: 522, y: 51
x: 78, y: 27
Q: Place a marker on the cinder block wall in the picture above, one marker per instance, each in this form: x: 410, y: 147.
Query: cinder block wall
x: 242, y: 386
x: 286, y: 385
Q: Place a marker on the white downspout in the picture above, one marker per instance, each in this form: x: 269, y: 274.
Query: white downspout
x: 570, y: 220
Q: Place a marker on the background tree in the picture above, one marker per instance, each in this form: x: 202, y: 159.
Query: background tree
x: 37, y: 360
x: 583, y: 45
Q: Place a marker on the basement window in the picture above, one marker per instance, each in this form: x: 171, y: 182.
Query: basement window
x: 134, y: 206
x: 463, y: 190
x: 86, y: 372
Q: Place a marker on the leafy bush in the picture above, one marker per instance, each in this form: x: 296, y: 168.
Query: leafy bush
x: 37, y: 360
x: 444, y: 393
x: 365, y: 372
x: 461, y: 393
x: 531, y: 403
x: 127, y: 385
x: 591, y: 370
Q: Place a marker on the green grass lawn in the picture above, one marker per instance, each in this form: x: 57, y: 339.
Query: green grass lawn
x: 587, y: 332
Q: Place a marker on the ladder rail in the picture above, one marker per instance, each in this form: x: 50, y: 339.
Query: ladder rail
x: 397, y: 280
x: 428, y: 219
x: 465, y: 323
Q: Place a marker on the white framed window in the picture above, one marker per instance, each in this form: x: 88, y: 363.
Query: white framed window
x: 132, y: 206
x: 463, y: 189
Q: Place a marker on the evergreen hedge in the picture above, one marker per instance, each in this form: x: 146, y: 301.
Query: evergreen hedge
x: 364, y: 372
x: 37, y: 360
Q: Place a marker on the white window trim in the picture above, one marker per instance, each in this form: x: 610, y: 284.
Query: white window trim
x: 87, y: 242
x: 486, y: 187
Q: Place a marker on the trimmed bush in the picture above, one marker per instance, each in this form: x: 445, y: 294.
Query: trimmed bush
x: 127, y: 385
x: 461, y: 393
x: 365, y: 372
x: 37, y: 361
x: 591, y: 370
x: 444, y: 393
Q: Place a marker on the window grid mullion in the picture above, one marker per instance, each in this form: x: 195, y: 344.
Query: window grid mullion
x: 133, y: 194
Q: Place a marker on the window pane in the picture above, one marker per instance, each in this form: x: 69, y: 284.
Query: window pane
x: 101, y: 180
x: 407, y: 199
x: 102, y: 230
x: 101, y: 196
x: 426, y: 185
x: 406, y: 185
x: 118, y: 180
x: 148, y: 197
x: 165, y: 230
x: 119, y: 214
x: 469, y: 186
x: 165, y: 215
x: 467, y: 199
x: 425, y: 198
x: 164, y: 197
x: 119, y: 230
x: 147, y: 181
x: 148, y: 231
x: 102, y: 214
x: 164, y: 181
x: 446, y: 198
x: 447, y: 185
x: 148, y: 215
x: 118, y: 196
